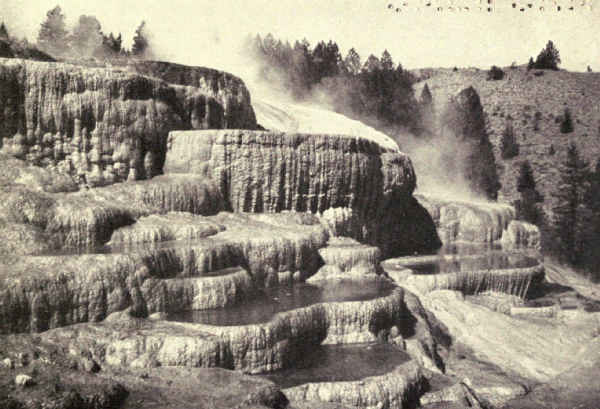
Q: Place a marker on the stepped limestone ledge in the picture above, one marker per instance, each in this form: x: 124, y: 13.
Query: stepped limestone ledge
x: 472, y: 278
x: 472, y: 222
x: 42, y: 292
x: 39, y: 221
x: 122, y: 340
x: 108, y: 124
x: 259, y: 171
x: 398, y: 389
x: 347, y: 259
x: 521, y: 234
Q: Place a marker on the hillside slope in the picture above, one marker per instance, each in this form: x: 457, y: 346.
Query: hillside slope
x: 518, y: 98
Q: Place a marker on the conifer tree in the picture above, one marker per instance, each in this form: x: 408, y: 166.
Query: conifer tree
x: 527, y: 207
x: 568, y: 211
x: 387, y: 63
x: 509, y: 147
x: 426, y: 97
x: 140, y: 41
x: 566, y: 126
x: 52, y: 36
x: 548, y: 58
x: 3, y: 32
x: 352, y: 62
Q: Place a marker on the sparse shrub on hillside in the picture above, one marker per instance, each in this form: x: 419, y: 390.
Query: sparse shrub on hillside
x: 536, y: 121
x: 527, y: 207
x: 566, y: 125
x: 589, y: 69
x: 551, y: 150
x: 508, y: 144
x: 495, y: 73
x: 538, y: 73
x: 513, y: 66
x: 548, y: 58
x: 455, y: 69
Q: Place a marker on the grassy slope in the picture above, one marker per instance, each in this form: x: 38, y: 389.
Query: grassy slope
x: 519, y: 96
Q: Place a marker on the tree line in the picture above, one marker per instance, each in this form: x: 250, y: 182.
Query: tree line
x: 572, y: 232
x: 86, y: 39
x: 376, y: 91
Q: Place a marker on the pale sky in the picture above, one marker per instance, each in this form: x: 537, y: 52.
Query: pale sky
x: 203, y: 32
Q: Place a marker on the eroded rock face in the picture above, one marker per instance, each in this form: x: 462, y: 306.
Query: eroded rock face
x: 274, y: 171
x: 107, y: 125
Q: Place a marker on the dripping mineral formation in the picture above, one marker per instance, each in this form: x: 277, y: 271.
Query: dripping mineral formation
x: 149, y: 249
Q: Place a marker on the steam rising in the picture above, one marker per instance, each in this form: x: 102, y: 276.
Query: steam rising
x: 435, y: 159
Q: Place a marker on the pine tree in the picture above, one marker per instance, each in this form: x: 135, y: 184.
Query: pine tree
x: 426, y: 97
x: 372, y: 64
x: 387, y: 63
x: 591, y: 243
x: 566, y: 126
x: 527, y: 207
x: 3, y: 32
x: 87, y: 37
x: 548, y: 58
x: 568, y: 223
x: 427, y: 109
x: 140, y: 41
x: 530, y: 64
x: 352, y: 62
x: 52, y: 36
x: 509, y: 147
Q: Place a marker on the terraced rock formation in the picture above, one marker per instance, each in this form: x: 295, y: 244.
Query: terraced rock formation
x: 479, y: 222
x: 109, y: 124
x: 259, y: 171
x: 255, y: 251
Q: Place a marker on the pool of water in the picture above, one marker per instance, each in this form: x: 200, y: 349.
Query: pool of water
x: 262, y: 307
x: 339, y: 363
x: 487, y: 262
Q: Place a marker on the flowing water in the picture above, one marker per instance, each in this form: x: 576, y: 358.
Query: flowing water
x: 263, y: 307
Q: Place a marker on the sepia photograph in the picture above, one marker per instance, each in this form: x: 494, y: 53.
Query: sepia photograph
x: 300, y: 204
